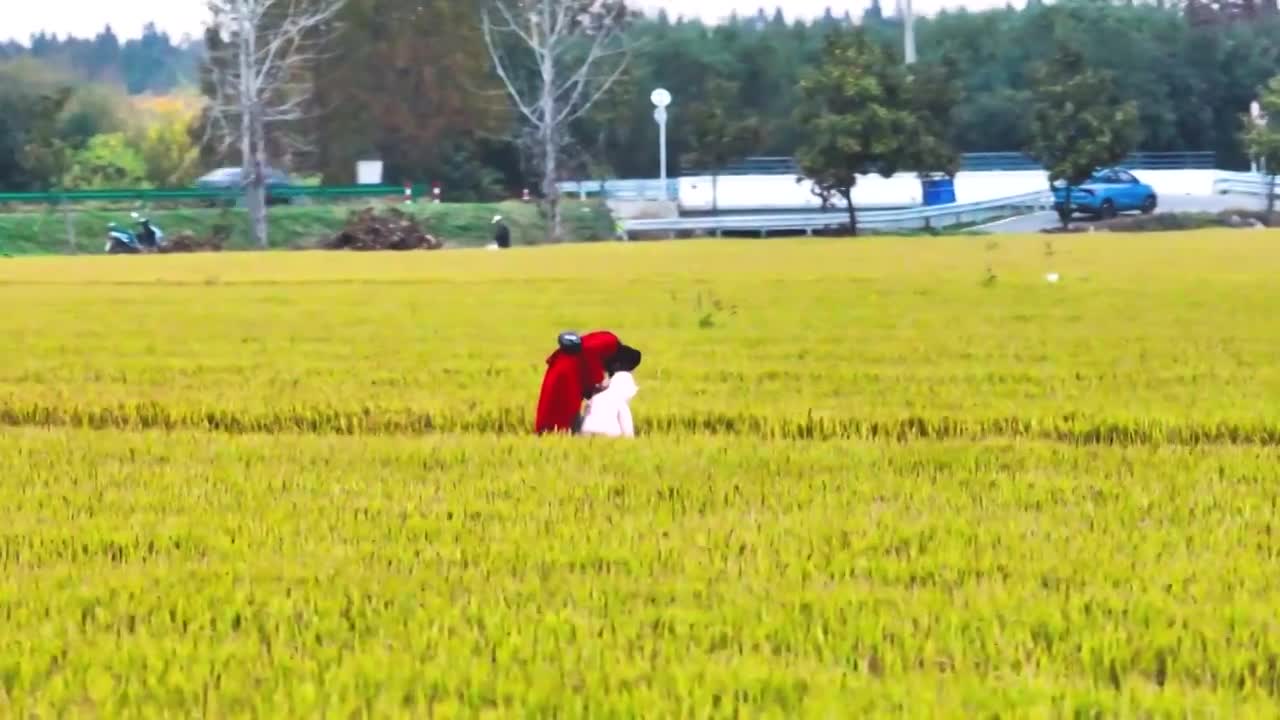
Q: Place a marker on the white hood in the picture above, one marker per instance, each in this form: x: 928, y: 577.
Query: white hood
x: 622, y: 383
x: 608, y: 413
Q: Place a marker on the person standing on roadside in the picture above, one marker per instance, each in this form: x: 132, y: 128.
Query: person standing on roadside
x: 501, y: 233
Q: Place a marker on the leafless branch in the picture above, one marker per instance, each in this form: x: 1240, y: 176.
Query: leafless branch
x: 260, y: 80
x: 575, y: 53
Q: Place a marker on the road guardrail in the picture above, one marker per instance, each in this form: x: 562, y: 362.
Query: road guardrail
x: 1245, y: 184
x: 808, y: 223
x: 1012, y: 161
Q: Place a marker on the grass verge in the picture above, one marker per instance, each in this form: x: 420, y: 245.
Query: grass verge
x: 53, y: 232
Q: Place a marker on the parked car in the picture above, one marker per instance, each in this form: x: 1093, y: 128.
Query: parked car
x: 1108, y: 192
x: 228, y: 178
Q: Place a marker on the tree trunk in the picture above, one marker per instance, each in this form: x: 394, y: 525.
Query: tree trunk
x: 1065, y: 216
x: 853, y: 212
x: 252, y: 140
x: 71, y: 228
x: 715, y: 193
x: 550, y: 192
x: 258, y: 187
x: 1271, y: 198
x: 550, y: 136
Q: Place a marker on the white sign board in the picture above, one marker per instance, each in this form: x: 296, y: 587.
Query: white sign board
x: 369, y: 172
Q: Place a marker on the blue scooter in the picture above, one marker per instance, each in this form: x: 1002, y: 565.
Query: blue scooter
x: 122, y: 241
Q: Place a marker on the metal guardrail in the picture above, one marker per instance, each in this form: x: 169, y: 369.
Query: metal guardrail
x: 1245, y: 184
x: 808, y: 223
x: 1010, y: 161
x: 755, y: 166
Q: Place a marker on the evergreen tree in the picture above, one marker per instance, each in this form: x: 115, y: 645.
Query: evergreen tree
x: 1078, y: 122
x: 862, y: 114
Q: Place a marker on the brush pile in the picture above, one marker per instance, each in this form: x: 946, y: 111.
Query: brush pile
x: 388, y: 229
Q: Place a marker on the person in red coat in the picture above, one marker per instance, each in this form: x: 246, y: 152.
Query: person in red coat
x: 575, y: 372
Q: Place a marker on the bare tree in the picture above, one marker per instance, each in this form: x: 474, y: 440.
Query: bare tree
x: 260, y: 78
x: 555, y: 58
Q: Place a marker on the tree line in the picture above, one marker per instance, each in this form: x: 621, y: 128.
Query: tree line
x: 414, y: 83
x: 151, y: 63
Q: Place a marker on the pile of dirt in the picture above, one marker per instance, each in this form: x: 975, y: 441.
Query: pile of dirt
x: 388, y: 229
x: 188, y: 243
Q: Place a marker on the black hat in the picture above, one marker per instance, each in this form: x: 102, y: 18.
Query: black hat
x: 625, y: 359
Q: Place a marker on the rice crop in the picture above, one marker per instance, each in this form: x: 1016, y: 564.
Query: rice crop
x: 869, y: 481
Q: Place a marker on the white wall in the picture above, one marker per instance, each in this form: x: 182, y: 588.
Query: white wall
x: 782, y: 192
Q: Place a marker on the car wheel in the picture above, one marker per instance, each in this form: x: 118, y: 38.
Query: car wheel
x: 1149, y: 205
x: 1108, y: 210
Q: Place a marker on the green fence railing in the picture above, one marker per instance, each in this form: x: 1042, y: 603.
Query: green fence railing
x: 214, y: 194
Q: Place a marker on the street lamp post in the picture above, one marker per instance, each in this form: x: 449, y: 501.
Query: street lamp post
x: 908, y: 33
x: 661, y: 99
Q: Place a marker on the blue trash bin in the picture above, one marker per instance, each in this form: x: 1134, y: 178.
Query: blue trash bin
x: 938, y: 190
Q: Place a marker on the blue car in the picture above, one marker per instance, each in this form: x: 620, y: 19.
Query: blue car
x: 1108, y: 192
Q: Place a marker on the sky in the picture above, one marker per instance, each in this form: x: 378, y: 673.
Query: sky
x: 179, y: 17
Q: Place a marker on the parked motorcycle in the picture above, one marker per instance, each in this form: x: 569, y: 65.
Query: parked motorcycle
x: 121, y: 241
x: 149, y: 238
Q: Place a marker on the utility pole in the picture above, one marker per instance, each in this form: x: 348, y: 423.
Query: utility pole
x: 908, y: 33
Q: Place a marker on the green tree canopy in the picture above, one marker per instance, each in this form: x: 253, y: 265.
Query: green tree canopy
x: 107, y: 162
x: 863, y: 113
x: 1079, y: 123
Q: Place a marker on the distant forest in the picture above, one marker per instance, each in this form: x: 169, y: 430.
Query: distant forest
x: 152, y: 63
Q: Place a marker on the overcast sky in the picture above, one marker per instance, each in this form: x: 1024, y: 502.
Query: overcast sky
x: 86, y: 17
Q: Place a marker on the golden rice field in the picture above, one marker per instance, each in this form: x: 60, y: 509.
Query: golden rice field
x: 872, y: 478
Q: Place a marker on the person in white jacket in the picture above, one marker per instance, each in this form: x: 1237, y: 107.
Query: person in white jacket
x: 609, y: 411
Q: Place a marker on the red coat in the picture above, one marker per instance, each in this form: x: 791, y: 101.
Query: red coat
x: 568, y: 380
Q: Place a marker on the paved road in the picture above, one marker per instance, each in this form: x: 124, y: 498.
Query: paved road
x: 1035, y: 222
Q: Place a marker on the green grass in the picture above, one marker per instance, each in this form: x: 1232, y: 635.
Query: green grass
x: 458, y: 224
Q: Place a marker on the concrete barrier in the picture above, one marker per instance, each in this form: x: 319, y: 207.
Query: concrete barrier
x: 782, y: 192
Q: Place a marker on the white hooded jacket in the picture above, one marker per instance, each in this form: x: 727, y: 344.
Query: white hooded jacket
x: 608, y: 412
